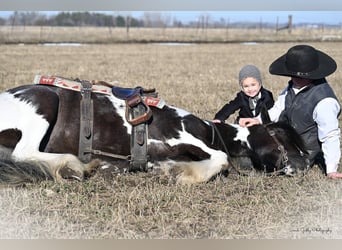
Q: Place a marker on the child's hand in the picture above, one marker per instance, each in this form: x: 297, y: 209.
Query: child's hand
x: 247, y: 122
x: 216, y: 121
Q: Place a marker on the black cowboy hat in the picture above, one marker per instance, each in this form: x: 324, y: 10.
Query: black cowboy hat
x: 303, y: 61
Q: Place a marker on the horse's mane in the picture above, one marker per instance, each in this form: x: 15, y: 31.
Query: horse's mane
x: 288, y: 133
x: 280, y: 128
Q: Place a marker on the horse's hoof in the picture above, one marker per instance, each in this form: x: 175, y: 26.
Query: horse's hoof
x: 68, y: 173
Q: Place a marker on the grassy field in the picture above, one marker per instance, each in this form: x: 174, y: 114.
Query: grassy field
x: 105, y: 35
x: 199, y: 78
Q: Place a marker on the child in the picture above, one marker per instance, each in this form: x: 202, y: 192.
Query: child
x: 250, y: 99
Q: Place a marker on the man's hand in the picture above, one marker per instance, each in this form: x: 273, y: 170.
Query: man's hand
x: 335, y: 175
x: 247, y: 122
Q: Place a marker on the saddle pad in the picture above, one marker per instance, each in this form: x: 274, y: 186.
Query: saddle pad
x: 69, y: 84
x: 77, y: 86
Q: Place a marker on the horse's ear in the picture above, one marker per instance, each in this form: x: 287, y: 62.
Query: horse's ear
x: 265, y: 117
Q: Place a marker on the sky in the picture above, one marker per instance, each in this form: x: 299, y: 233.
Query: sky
x: 174, y: 5
x: 326, y: 17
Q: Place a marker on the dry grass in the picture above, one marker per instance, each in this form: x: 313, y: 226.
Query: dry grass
x: 35, y: 34
x: 141, y: 206
x: 198, y: 78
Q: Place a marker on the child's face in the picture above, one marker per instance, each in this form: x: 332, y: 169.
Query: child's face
x: 250, y: 86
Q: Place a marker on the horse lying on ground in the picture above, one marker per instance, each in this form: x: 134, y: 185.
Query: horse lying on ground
x: 40, y: 134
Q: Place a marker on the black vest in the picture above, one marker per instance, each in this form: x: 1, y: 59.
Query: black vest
x: 299, y: 110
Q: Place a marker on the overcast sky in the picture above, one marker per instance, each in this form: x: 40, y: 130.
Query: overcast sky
x: 173, y: 5
x: 328, y: 17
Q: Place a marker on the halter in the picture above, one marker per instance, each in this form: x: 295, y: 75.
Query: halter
x: 283, y: 159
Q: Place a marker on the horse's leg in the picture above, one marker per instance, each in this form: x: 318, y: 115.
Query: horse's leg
x: 200, y: 171
x: 59, y: 165
x: 194, y: 171
x: 62, y: 166
x: 66, y: 166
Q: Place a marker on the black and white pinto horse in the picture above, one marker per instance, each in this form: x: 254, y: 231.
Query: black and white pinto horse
x: 39, y: 140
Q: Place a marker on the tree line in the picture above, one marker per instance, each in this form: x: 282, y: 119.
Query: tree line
x: 148, y: 19
x: 70, y: 19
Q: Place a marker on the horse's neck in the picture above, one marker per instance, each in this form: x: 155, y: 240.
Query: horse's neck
x: 232, y: 132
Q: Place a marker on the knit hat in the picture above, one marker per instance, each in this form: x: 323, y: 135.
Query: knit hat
x: 249, y: 71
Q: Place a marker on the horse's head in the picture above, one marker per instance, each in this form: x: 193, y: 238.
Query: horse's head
x: 271, y: 148
x: 278, y: 148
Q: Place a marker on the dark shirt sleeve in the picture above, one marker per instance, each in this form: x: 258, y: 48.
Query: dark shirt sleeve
x: 269, y: 101
x: 228, y: 109
x: 266, y: 100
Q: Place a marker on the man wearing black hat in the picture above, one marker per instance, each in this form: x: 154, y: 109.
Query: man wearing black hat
x: 309, y: 104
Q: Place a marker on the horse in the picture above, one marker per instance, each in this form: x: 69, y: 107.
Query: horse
x: 41, y: 129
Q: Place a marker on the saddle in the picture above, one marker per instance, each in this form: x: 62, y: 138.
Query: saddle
x: 138, y: 113
x: 133, y: 99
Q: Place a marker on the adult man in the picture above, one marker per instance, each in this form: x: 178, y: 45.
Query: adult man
x: 309, y: 104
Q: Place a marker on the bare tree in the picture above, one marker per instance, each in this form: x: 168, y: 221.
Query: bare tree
x: 128, y: 24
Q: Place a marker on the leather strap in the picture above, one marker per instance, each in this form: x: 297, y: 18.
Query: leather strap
x: 139, y: 157
x: 86, y: 123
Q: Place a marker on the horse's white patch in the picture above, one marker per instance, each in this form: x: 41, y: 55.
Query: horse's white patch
x: 188, y: 138
x: 242, y: 134
x: 120, y: 107
x: 151, y: 141
x: 196, y: 171
x: 192, y: 171
x: 22, y: 116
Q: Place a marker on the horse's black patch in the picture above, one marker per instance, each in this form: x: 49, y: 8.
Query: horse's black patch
x: 10, y: 137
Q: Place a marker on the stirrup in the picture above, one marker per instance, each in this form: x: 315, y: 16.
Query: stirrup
x: 133, y: 102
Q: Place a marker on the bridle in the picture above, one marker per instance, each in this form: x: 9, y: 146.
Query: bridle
x: 283, y: 159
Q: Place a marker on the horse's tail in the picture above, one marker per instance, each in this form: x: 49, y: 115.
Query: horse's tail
x: 16, y: 173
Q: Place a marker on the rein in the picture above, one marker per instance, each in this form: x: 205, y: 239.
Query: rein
x: 213, y: 130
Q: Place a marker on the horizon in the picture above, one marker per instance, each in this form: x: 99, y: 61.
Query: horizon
x: 315, y: 17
